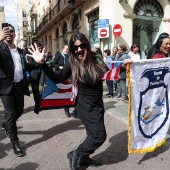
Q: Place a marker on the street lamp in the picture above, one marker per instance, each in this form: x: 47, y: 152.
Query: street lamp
x: 71, y: 4
x: 71, y: 8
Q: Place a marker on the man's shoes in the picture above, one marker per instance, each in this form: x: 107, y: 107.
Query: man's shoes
x: 73, y: 160
x: 87, y: 161
x: 109, y: 96
x: 67, y: 113
x: 17, y: 149
x: 5, y: 128
x: 36, y: 108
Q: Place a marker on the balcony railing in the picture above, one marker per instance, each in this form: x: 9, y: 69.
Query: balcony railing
x: 58, y: 7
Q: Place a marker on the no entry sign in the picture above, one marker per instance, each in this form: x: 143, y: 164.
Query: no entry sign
x: 117, y: 30
x: 103, y: 32
x: 103, y: 28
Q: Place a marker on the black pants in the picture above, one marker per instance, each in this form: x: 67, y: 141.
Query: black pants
x: 110, y: 86
x: 36, y: 93
x: 13, y: 105
x: 91, y: 113
x: 35, y: 89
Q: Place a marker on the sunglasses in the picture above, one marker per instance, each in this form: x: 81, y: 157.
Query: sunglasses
x: 82, y: 46
x: 11, y: 31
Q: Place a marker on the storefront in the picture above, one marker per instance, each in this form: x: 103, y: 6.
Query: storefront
x: 147, y: 25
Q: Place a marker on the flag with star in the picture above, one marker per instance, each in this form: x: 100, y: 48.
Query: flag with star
x: 56, y: 95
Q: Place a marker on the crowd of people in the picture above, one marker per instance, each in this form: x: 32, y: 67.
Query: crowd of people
x: 80, y: 65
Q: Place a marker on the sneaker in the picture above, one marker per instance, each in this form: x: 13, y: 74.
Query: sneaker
x: 118, y: 97
x: 123, y: 98
x: 110, y: 96
x: 107, y: 94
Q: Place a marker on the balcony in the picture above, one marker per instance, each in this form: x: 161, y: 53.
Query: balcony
x: 55, y: 15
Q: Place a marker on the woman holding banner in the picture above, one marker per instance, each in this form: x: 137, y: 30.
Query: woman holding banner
x: 85, y: 70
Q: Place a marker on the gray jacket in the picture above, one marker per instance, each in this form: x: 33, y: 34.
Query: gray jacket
x: 122, y: 57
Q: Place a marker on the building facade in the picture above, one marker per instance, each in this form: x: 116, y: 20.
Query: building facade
x: 2, y: 16
x: 141, y: 20
x: 24, y: 23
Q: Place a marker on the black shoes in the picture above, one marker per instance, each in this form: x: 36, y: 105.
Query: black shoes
x: 37, y: 108
x: 73, y: 160
x: 17, y: 149
x: 5, y: 128
x: 109, y: 96
x: 67, y: 113
x: 87, y: 161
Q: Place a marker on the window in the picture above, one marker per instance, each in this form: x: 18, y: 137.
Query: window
x: 24, y: 13
x: 24, y: 23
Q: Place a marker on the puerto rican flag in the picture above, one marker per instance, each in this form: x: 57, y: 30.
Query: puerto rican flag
x: 113, y: 73
x: 56, y: 95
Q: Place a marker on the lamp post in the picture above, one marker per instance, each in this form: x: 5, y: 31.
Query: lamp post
x: 71, y: 4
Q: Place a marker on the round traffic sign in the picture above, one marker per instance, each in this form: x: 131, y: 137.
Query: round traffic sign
x: 117, y: 30
x: 103, y: 32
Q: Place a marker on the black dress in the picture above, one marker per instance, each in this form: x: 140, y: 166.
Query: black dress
x: 89, y: 106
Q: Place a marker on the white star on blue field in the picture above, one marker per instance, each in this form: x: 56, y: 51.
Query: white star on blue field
x: 49, y: 88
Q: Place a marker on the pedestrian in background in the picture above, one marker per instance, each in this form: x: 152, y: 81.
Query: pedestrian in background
x: 85, y: 70
x: 97, y: 49
x: 134, y: 55
x: 114, y: 54
x: 34, y: 79
x: 121, y: 83
x: 152, y: 51
x: 162, y: 47
x: 58, y: 64
x: 108, y: 61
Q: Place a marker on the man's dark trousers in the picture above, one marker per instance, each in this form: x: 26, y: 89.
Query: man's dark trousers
x: 13, y: 105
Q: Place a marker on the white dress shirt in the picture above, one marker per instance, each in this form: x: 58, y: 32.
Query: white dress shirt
x: 18, y: 72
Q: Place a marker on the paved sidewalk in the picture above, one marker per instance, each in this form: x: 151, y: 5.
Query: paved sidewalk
x: 48, y: 137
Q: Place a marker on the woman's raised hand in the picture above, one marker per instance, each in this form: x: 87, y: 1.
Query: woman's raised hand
x: 39, y: 57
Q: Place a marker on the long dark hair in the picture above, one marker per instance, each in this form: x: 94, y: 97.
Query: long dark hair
x: 89, y: 62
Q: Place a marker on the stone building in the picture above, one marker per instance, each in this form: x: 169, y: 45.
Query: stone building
x: 141, y: 21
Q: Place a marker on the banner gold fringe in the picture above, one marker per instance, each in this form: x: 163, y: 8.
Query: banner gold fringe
x: 136, y: 151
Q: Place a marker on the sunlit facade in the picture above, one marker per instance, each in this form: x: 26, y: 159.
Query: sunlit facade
x: 24, y: 23
x: 2, y: 16
x: 141, y: 20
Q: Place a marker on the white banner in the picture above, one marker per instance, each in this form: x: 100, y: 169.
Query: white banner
x: 149, y: 103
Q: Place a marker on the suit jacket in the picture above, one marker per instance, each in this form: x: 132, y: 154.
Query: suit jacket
x: 58, y: 61
x: 34, y: 73
x: 7, y: 70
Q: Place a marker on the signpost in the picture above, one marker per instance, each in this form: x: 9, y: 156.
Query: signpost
x: 103, y: 28
x: 117, y: 30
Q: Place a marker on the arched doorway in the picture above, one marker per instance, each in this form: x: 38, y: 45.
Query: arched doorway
x: 147, y: 25
x: 75, y: 24
x: 65, y: 33
x: 57, y: 40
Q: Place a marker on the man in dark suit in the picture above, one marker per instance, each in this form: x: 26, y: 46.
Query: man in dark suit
x: 34, y: 79
x: 13, y: 84
x: 58, y: 63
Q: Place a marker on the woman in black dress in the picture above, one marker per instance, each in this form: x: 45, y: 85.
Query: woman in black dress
x: 85, y: 69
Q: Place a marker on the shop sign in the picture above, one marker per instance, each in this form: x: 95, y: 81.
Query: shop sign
x: 147, y: 29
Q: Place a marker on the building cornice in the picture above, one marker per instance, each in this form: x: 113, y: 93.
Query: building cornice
x: 129, y: 15
x: 166, y: 19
